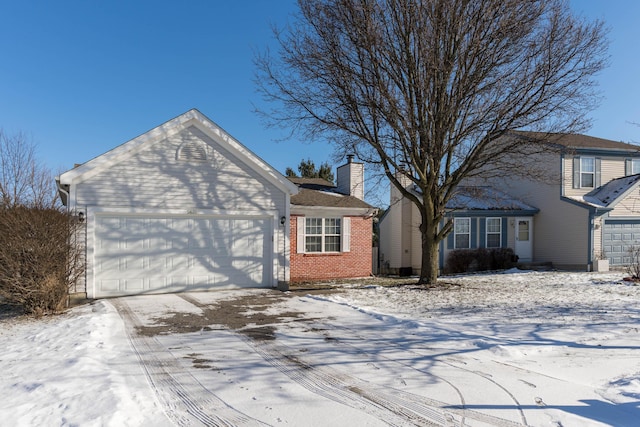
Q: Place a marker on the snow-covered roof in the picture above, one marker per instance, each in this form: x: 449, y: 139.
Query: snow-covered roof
x: 485, y: 198
x: 610, y: 193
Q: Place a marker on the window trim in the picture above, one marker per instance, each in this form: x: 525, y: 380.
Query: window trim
x: 456, y: 233
x: 592, y: 173
x: 487, y: 232
x: 323, y: 235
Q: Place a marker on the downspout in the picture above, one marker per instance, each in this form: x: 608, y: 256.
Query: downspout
x: 591, y: 236
x: 284, y: 285
x: 64, y: 195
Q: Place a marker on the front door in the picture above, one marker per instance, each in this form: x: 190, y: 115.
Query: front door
x: 524, y: 239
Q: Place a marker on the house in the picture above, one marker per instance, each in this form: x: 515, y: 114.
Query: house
x: 184, y: 206
x: 331, y: 227
x: 587, y: 207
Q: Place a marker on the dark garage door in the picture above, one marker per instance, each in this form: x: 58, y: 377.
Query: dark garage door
x: 618, y: 237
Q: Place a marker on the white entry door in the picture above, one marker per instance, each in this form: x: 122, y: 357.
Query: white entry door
x: 524, y: 239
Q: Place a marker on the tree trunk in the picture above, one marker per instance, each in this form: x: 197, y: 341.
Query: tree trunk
x: 430, y: 251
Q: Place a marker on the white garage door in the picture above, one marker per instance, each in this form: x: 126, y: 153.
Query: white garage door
x: 618, y: 238
x: 135, y: 254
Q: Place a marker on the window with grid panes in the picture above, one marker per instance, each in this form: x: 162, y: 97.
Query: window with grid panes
x: 322, y: 234
x: 587, y: 171
x: 494, y: 232
x: 462, y: 233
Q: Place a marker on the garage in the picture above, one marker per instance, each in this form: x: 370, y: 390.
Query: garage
x: 164, y: 253
x: 182, y: 207
x: 618, y: 237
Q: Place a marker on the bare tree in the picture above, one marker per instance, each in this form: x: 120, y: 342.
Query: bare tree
x: 423, y: 87
x: 24, y: 181
x: 40, y: 256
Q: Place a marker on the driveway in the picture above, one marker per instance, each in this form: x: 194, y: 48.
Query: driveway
x: 263, y: 357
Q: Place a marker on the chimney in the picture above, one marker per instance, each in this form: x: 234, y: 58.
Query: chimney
x: 350, y: 178
x: 405, y: 182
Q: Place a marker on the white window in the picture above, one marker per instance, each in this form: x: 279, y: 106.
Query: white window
x: 635, y: 166
x: 494, y: 232
x: 462, y: 233
x: 587, y: 171
x: 322, y: 234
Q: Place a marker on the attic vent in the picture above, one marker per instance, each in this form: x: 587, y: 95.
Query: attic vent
x: 192, y: 151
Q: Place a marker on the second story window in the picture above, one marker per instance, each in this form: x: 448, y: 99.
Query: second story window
x: 587, y: 172
x: 635, y: 166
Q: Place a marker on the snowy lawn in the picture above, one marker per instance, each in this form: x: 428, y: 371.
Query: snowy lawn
x: 523, y: 348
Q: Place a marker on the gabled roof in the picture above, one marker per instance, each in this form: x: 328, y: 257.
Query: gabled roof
x: 578, y: 141
x: 611, y: 193
x: 484, y: 198
x: 322, y: 193
x: 192, y: 117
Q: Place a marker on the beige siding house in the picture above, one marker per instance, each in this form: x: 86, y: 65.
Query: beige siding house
x: 587, y: 208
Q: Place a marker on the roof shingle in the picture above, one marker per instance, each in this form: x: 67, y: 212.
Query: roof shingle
x: 574, y: 140
x: 319, y: 192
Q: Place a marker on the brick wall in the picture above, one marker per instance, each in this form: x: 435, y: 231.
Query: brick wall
x: 355, y: 263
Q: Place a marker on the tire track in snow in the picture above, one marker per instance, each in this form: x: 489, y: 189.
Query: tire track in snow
x: 411, y: 408
x: 340, y: 388
x: 185, y: 401
x: 347, y: 390
x: 354, y: 333
x: 388, y: 404
x: 487, y: 377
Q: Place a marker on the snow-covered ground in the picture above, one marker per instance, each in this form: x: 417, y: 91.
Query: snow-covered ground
x: 523, y: 348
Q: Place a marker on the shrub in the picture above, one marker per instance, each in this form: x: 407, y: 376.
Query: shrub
x: 633, y: 268
x: 469, y: 260
x: 39, y: 260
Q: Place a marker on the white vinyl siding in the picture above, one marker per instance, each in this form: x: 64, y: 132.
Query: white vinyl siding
x: 462, y: 233
x: 161, y: 176
x: 493, y: 233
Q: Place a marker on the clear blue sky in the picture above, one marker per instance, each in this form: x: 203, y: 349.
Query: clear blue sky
x: 85, y: 76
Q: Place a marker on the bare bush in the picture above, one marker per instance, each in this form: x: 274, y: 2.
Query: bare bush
x: 39, y: 258
x: 633, y: 268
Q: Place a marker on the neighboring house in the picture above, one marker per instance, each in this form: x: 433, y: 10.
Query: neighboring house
x: 184, y: 206
x: 587, y: 208
x: 331, y: 227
